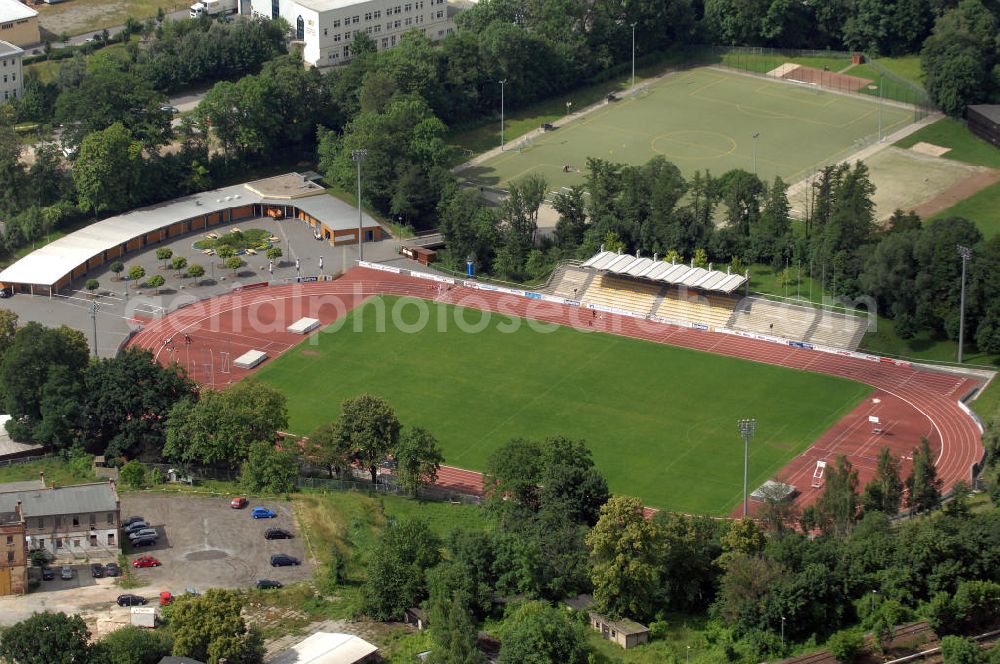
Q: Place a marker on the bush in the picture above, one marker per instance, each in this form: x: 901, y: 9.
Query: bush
x: 133, y: 474
x: 273, y: 254
x: 154, y: 477
x: 93, y: 284
x: 956, y: 650
x: 136, y: 273
x: 117, y: 268
x: 846, y: 646
x: 156, y: 281
x: 179, y: 263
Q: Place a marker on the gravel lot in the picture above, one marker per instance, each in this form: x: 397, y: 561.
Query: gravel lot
x: 204, y: 543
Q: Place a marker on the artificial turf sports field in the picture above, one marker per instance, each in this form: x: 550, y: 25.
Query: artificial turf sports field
x: 661, y: 421
x: 705, y: 119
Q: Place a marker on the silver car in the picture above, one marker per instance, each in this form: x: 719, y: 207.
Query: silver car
x: 67, y: 573
x: 145, y: 532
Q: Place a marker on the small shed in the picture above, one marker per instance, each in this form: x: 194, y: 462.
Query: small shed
x: 420, y: 254
x: 417, y: 617
x: 626, y: 633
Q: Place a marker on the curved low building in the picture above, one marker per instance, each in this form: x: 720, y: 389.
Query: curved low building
x: 290, y: 196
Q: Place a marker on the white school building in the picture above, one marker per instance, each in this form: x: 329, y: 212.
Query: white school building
x: 326, y: 28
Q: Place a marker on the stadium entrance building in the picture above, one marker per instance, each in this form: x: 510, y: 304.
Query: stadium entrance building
x: 291, y: 196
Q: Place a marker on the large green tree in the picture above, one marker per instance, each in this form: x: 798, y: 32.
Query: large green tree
x: 47, y: 638
x: 268, y: 469
x: 418, y: 459
x: 210, y: 626
x: 536, y: 633
x: 397, y: 569
x: 369, y: 428
x: 107, y: 171
x: 133, y: 645
x: 923, y: 486
x: 838, y: 504
x: 884, y: 493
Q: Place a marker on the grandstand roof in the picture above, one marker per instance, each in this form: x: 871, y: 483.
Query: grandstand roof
x: 676, y: 274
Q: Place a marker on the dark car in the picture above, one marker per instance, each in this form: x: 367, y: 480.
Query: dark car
x: 282, y: 560
x: 136, y: 526
x: 48, y: 573
x: 97, y: 571
x: 268, y: 584
x: 143, y: 541
x: 277, y: 533
x: 130, y: 600
x: 130, y: 520
x: 112, y: 569
x: 547, y: 126
x: 6, y: 292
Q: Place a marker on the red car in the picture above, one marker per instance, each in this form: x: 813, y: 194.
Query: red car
x: 145, y: 561
x: 238, y: 503
x: 166, y: 599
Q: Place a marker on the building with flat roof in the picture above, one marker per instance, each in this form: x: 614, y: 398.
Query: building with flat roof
x: 291, y: 196
x: 328, y: 648
x: 11, y: 72
x: 326, y: 28
x: 18, y: 23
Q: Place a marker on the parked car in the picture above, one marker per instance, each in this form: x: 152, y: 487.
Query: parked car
x: 547, y: 126
x: 130, y: 520
x: 136, y: 525
x: 277, y: 533
x: 170, y: 110
x: 130, y: 600
x: 238, y: 503
x: 97, y: 571
x: 6, y: 292
x: 283, y: 560
x: 166, y: 599
x: 112, y: 569
x: 263, y: 513
x: 48, y: 574
x: 144, y: 532
x: 268, y: 584
x: 146, y: 561
x: 66, y: 573
x: 143, y: 541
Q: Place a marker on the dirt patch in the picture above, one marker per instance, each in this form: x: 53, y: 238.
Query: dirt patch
x: 930, y: 148
x: 825, y: 79
x: 779, y: 72
x: 310, y: 353
x: 957, y: 192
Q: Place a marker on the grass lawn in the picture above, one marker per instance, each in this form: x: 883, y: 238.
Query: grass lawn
x: 890, y: 88
x: 85, y: 16
x: 641, y: 406
x: 704, y: 119
x: 57, y: 471
x: 987, y: 405
x: 953, y: 134
x: 982, y: 208
x: 906, y: 67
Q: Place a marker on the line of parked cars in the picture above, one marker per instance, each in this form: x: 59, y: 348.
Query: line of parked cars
x: 278, y: 559
x: 139, y: 532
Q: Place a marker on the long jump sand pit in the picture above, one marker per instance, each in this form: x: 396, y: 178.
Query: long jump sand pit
x: 904, y: 180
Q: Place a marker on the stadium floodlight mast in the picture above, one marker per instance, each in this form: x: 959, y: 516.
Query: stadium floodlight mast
x: 966, y: 255
x: 747, y: 429
x: 502, y: 83
x: 633, y: 55
x: 358, y: 156
x: 756, y: 135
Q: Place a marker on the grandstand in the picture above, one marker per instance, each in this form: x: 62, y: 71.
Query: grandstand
x: 698, y: 296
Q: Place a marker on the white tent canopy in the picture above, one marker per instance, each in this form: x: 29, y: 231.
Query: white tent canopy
x: 676, y: 274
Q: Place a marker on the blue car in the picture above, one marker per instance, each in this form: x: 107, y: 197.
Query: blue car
x: 263, y: 513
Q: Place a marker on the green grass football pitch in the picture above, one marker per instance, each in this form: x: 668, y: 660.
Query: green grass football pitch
x: 705, y: 119
x: 661, y: 421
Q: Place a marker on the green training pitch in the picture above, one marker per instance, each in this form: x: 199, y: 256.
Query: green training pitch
x: 705, y: 119
x: 661, y: 421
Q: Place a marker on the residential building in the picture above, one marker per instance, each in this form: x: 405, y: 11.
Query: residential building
x: 13, y: 553
x: 71, y: 522
x: 18, y: 23
x: 326, y: 28
x: 626, y: 633
x: 11, y: 72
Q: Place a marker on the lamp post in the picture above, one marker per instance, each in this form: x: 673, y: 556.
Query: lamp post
x: 966, y: 255
x: 688, y: 658
x: 358, y: 156
x: 93, y: 322
x: 502, y: 83
x: 782, y: 631
x: 633, y: 56
x: 756, y: 135
x: 747, y: 429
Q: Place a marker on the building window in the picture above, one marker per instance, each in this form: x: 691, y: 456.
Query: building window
x: 355, y: 20
x: 336, y: 37
x: 398, y: 9
x: 10, y: 540
x: 300, y: 28
x: 408, y: 21
x: 368, y: 16
x: 336, y: 23
x: 378, y: 28
x: 324, y: 32
x: 385, y: 42
x: 58, y: 542
x: 392, y: 41
x: 397, y: 24
x: 76, y: 521
x: 93, y: 520
x: 10, y: 556
x: 347, y: 36
x: 76, y: 544
x: 368, y: 29
x: 408, y: 7
x: 93, y: 540
x: 58, y: 522
x: 111, y: 539
x: 378, y: 13
x: 347, y: 51
x: 111, y: 518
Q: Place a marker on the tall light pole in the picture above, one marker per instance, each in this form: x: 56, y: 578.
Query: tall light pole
x: 756, y: 135
x: 633, y: 56
x: 782, y: 631
x: 966, y: 255
x: 747, y: 429
x: 502, y: 83
x: 358, y: 156
x: 879, y: 109
x: 93, y: 321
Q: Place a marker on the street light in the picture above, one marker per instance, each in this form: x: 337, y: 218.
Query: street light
x: 688, y: 654
x: 756, y: 135
x: 966, y: 255
x: 782, y: 631
x: 502, y: 83
x: 358, y: 156
x: 633, y: 56
x: 747, y: 429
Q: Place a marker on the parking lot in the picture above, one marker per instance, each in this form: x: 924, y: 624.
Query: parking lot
x: 204, y: 543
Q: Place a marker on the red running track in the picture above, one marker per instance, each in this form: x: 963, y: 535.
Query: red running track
x: 911, y: 402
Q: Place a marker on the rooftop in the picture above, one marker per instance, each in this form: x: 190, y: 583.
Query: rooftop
x: 326, y: 648
x: 989, y: 111
x: 78, y: 499
x: 12, y: 10
x: 651, y: 269
x: 623, y: 626
x: 329, y: 5
x: 6, y: 48
x: 47, y: 265
x: 26, y: 485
